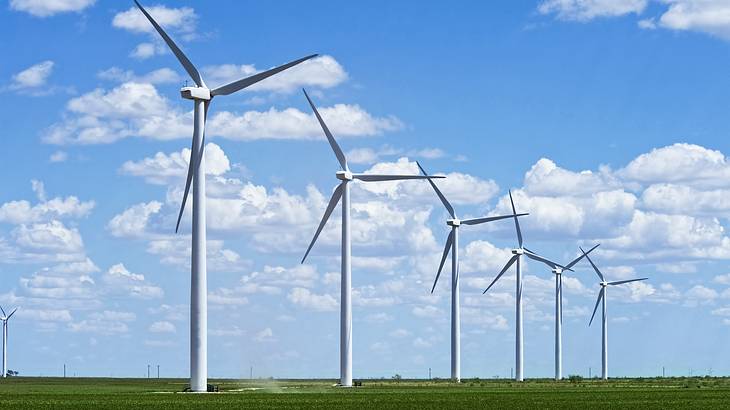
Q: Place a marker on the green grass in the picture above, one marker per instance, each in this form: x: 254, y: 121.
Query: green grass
x: 99, y: 393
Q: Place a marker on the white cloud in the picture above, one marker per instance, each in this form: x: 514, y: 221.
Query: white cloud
x: 45, y: 315
x: 308, y: 300
x: 427, y: 311
x: 159, y: 76
x: 135, y: 109
x: 323, y: 72
x: 104, y: 323
x: 32, y: 77
x: 47, y: 8
x: 265, y: 336
x: 180, y: 21
x: 585, y: 10
x: 49, y: 237
x: 162, y: 327
x: 162, y: 168
x: 700, y: 295
x: 133, y: 221
x: 707, y: 16
x: 120, y: 279
x: 58, y: 156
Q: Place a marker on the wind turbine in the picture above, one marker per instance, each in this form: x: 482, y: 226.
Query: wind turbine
x: 558, y: 271
x: 343, y: 192
x: 202, y: 97
x: 5, y: 319
x: 516, y: 258
x: 602, y: 297
x: 452, y: 244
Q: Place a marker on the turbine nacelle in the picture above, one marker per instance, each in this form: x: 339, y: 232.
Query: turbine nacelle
x: 603, y: 284
x: 557, y: 271
x: 195, y: 93
x: 518, y: 251
x: 344, y: 175
x: 453, y: 222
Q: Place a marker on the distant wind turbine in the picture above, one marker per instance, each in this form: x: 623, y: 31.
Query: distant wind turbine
x: 602, y: 297
x: 5, y: 319
x: 452, y: 244
x: 558, y: 271
x: 517, y: 254
x: 343, y: 192
x: 202, y: 97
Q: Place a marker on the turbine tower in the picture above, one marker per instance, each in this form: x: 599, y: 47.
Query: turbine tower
x: 202, y: 97
x: 5, y: 319
x: 558, y: 271
x: 516, y: 259
x: 452, y: 244
x: 343, y: 192
x: 602, y: 297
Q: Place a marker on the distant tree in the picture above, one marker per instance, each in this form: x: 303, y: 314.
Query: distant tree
x: 574, y: 378
x: 397, y: 378
x: 12, y: 373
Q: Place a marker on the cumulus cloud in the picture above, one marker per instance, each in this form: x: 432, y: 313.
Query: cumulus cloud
x: 33, y: 77
x: 162, y: 168
x: 47, y: 8
x: 159, y: 76
x: 162, y: 327
x: 182, y: 21
x: 135, y: 109
x: 585, y: 10
x: 131, y: 284
x: 312, y: 301
x: 321, y: 72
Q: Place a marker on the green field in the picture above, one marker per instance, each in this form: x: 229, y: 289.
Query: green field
x: 101, y: 393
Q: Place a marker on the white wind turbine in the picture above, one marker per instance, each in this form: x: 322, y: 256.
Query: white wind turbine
x: 202, y: 97
x: 558, y: 271
x: 5, y: 319
x: 343, y: 192
x: 602, y: 297
x: 452, y: 244
x: 516, y: 258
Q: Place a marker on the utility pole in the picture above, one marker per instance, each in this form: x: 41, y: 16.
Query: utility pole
x: 64, y: 370
x: 251, y: 374
x: 148, y: 371
x: 663, y: 374
x: 589, y: 372
x: 158, y: 371
x: 429, y: 373
x: 511, y: 372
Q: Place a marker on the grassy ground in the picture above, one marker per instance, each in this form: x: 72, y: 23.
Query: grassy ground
x: 81, y: 393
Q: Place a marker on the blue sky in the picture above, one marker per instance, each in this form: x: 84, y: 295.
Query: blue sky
x: 605, y: 118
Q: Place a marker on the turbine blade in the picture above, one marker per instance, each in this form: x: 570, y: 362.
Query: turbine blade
x: 600, y: 296
x: 619, y: 282
x: 379, y: 177
x: 187, y: 65
x: 330, y: 207
x: 2, y: 310
x: 193, y: 163
x: 576, y: 260
x: 336, y: 148
x: 595, y: 268
x: 539, y: 258
x: 248, y: 81
x: 517, y: 222
x: 509, y: 263
x: 11, y: 313
x: 438, y: 192
x: 477, y: 221
x: 449, y: 240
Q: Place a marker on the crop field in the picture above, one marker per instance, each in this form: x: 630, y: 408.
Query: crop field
x: 102, y: 393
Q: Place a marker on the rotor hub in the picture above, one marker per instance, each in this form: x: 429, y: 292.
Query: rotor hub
x: 604, y: 284
x: 195, y: 93
x: 453, y: 222
x: 557, y: 271
x: 518, y: 251
x: 344, y: 175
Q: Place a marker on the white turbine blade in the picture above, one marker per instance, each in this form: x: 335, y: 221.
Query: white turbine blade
x: 595, y: 268
x: 511, y: 261
x: 517, y: 222
x: 189, y: 67
x: 477, y: 221
x: 193, y: 163
x: 449, y: 241
x: 335, y: 147
x: 2, y: 310
x: 576, y: 260
x: 380, y: 177
x: 248, y: 81
x: 438, y: 192
x: 11, y: 313
x: 330, y: 207
x: 620, y: 282
x: 539, y: 258
x: 600, y: 295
